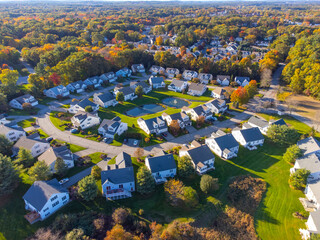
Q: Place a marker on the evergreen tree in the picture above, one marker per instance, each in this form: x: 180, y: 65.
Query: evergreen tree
x: 87, y: 188
x: 5, y: 145
x: 208, y: 184
x: 96, y: 172
x: 145, y: 181
x: 60, y: 167
x: 40, y: 171
x: 120, y: 97
x: 185, y: 167
x: 139, y: 91
x: 24, y: 158
x: 292, y: 154
x: 8, y: 176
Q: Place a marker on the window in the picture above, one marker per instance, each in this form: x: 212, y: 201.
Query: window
x: 47, y: 214
x: 65, y: 202
x: 37, y: 146
x: 121, y: 186
x: 54, y: 198
x: 55, y: 204
x: 64, y: 198
x: 108, y: 188
x: 11, y: 133
x: 171, y: 170
x: 38, y: 151
x: 46, y: 209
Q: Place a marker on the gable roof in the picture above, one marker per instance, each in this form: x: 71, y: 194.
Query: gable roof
x: 219, y: 91
x: 158, y: 120
x: 22, y: 99
x: 162, y: 163
x: 279, y: 122
x: 27, y: 142
x: 156, y: 80
x: 41, y: 191
x: 105, y: 97
x: 86, y: 102
x: 197, y: 87
x: 125, y: 90
x: 251, y: 134
x: 177, y: 83
x: 82, y: 116
x: 123, y: 160
x: 226, y: 141
x: 118, y: 176
x: 315, y: 215
x: 242, y: 79
x: 223, y: 77
x: 258, y: 122
x: 5, y: 128
x: 52, y: 154
x: 309, y: 145
x: 310, y: 162
x: 200, y: 154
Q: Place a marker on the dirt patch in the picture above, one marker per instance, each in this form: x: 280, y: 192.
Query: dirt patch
x: 306, y: 106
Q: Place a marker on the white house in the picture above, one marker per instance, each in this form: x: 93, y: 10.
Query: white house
x: 105, y: 100
x: 93, y: 81
x: 222, y: 144
x: 312, y: 192
x: 85, y: 120
x: 309, y: 145
x: 81, y: 106
x: 108, y: 128
x: 189, y: 74
x: 249, y: 138
x: 12, y: 131
x: 309, y: 162
x: 205, y: 77
x: 182, y: 118
x: 313, y: 225
x: 202, y: 158
x: 197, y: 89
x: 155, y: 125
x: 218, y: 93
x: 19, y: 101
x: 52, y: 154
x: 157, y: 82
x: 44, y: 198
x: 262, y: 124
x: 118, y: 179
x: 172, y: 72
x: 128, y: 93
x: 161, y: 167
x: 177, y: 85
x: 242, y: 81
x: 145, y: 87
x: 124, y: 72
x: 156, y: 70
x: 33, y: 143
x: 78, y: 87
x: 56, y: 92
x: 217, y: 106
x: 138, y: 68
x: 3, y: 119
x: 109, y: 77
x: 196, y: 112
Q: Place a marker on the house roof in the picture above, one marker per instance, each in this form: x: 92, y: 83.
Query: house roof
x: 219, y: 91
x: 205, y: 76
x: 279, y: 122
x: 309, y: 145
x: 242, y: 79
x: 316, y: 219
x: 114, y: 123
x: 81, y: 116
x: 5, y: 128
x: 105, y: 97
x: 41, y: 191
x: 157, y: 120
x: 177, y: 83
x: 22, y: 99
x: 123, y: 160
x: 261, y: 123
x: 226, y: 141
x: 310, y: 162
x: 118, y: 176
x: 86, y: 102
x: 223, y: 77
x: 156, y: 80
x: 200, y: 154
x: 27, y: 143
x: 52, y: 154
x: 251, y: 134
x: 162, y: 163
x: 199, y: 87
x: 125, y: 90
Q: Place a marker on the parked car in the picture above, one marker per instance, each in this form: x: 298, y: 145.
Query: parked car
x: 49, y: 139
x: 135, y: 142
x: 63, y: 181
x: 125, y: 140
x: 164, y: 134
x: 73, y: 130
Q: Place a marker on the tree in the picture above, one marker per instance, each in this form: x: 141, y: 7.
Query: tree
x: 239, y: 96
x: 190, y: 197
x: 298, y: 180
x: 174, y: 127
x: 96, y: 172
x: 293, y: 152
x: 55, y: 79
x: 40, y: 171
x: 185, y: 166
x: 120, y: 97
x: 9, y: 80
x: 139, y: 153
x: 60, y: 167
x: 87, y: 188
x: 251, y: 88
x: 121, y: 216
x: 24, y: 158
x: 8, y: 176
x: 145, y: 181
x: 200, y: 121
x: 26, y: 106
x: 75, y: 234
x: 5, y: 145
x: 117, y: 232
x: 265, y: 78
x: 88, y: 109
x: 3, y: 102
x: 159, y: 41
x: 282, y: 134
x: 208, y: 184
x: 174, y: 190
x: 139, y: 91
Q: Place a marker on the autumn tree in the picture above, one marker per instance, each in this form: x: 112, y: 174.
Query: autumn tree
x: 139, y: 153
x: 174, y: 190
x: 200, y: 121
x: 174, y: 127
x: 239, y: 96
x: 118, y: 232
x: 55, y: 79
x: 96, y: 172
x: 121, y: 216
x: 120, y: 97
x: 251, y: 88
x: 139, y: 91
x: 208, y: 184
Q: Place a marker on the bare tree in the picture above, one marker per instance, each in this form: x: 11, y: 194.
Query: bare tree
x: 316, y: 120
x: 291, y: 104
x: 266, y: 78
x: 139, y: 153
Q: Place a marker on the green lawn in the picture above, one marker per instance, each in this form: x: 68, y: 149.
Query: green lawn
x: 57, y: 122
x: 26, y: 123
x: 95, y: 157
x: 73, y: 148
x: 18, y: 112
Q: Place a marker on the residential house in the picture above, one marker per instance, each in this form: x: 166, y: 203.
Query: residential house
x: 57, y: 92
x: 312, y: 224
x: 242, y: 81
x: 81, y: 106
x: 95, y: 82
x: 145, y: 87
x: 217, y: 106
x: 109, y: 128
x: 309, y: 162
x: 197, y: 89
x: 3, y: 119
x: 155, y: 125
x: 172, y: 72
x: 105, y: 100
x: 138, y: 68
x: 249, y: 138
x: 109, y: 77
x: 196, y: 112
x: 157, y: 82
x: 309, y: 145
x: 312, y: 192
x: 52, y: 154
x: 124, y: 72
x: 161, y: 167
x: 222, y: 144
x: 19, y: 101
x: 85, y: 120
x: 279, y: 122
x: 12, y: 131
x: 218, y: 93
x: 128, y: 93
x: 118, y: 180
x: 77, y: 87
x: 262, y: 124
x: 182, y: 118
x: 44, y: 198
x: 156, y: 70
x: 189, y: 74
x: 205, y: 77
x: 33, y: 143
x: 202, y: 158
x: 177, y: 85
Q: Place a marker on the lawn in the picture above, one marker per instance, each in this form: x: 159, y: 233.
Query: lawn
x: 57, y: 122
x: 18, y: 112
x: 27, y: 122
x: 73, y: 148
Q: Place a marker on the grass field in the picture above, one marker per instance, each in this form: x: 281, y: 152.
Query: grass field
x: 26, y: 123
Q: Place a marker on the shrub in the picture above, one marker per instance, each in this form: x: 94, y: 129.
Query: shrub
x: 208, y: 184
x: 292, y: 154
x: 298, y: 180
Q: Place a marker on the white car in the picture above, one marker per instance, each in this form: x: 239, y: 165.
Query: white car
x: 63, y: 181
x: 135, y: 143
